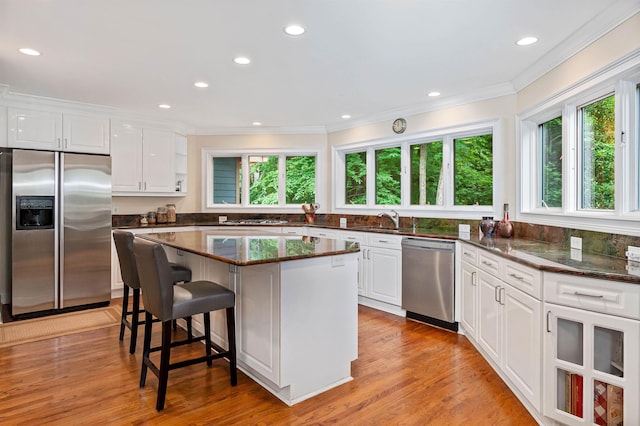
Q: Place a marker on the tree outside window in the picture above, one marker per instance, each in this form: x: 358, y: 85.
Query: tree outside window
x: 388, y: 176
x: 263, y: 179
x: 597, y: 141
x: 551, y: 158
x: 356, y: 178
x: 301, y: 179
x: 427, y: 174
x: 473, y: 175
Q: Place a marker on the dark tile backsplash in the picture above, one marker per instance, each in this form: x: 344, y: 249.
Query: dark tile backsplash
x: 592, y: 242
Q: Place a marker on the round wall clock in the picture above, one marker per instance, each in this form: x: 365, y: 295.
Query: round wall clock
x: 399, y: 125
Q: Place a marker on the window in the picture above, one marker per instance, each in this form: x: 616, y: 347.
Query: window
x: 597, y: 142
x: 227, y: 175
x: 274, y: 179
x: 551, y: 163
x: 301, y: 179
x: 449, y: 173
x: 579, y: 157
x: 356, y: 178
x: 263, y: 179
x: 473, y: 171
x: 388, y: 176
x: 427, y: 174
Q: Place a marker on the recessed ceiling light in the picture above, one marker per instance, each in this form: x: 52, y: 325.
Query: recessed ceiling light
x: 294, y: 30
x: 345, y: 116
x: 30, y: 52
x: 257, y: 123
x: 433, y: 94
x: 164, y: 106
x: 525, y: 41
x: 241, y: 60
x: 201, y: 84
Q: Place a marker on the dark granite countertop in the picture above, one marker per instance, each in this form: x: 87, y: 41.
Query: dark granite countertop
x: 536, y: 254
x: 241, y: 248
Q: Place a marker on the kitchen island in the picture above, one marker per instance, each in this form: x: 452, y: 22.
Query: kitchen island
x: 296, y: 303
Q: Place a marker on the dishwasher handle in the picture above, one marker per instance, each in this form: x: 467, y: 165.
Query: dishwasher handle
x: 428, y: 245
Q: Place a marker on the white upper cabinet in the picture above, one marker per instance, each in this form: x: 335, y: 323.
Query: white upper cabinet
x: 143, y: 161
x: 85, y: 134
x: 54, y: 131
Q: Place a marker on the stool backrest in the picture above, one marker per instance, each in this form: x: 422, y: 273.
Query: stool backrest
x: 124, y: 247
x: 155, y: 278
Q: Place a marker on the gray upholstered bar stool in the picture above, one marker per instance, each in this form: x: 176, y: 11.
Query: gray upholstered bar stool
x: 167, y: 302
x: 124, y: 246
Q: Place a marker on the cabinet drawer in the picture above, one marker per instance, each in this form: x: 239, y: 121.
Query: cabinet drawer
x: 524, y: 278
x: 357, y: 237
x: 387, y: 241
x: 322, y: 233
x: 490, y: 263
x: 609, y: 297
x: 469, y: 254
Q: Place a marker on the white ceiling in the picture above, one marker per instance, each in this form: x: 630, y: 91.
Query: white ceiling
x: 372, y: 59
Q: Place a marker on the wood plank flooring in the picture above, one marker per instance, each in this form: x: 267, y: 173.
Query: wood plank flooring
x: 407, y: 373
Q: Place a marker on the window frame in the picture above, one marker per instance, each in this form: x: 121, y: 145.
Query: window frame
x: 208, y: 153
x: 447, y: 136
x: 624, y: 83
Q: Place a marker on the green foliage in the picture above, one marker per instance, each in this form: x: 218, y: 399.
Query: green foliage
x: 473, y: 171
x: 388, y: 176
x: 356, y: 178
x: 433, y: 163
x: 301, y: 180
x: 552, y: 162
x: 598, y: 154
x: 263, y: 181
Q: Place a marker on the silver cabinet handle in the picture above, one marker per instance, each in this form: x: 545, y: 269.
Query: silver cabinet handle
x: 517, y: 277
x: 59, y: 143
x: 66, y: 143
x: 484, y: 262
x: 501, y: 294
x: 383, y: 241
x: 139, y: 186
x: 595, y: 296
x: 496, y: 290
x: 548, y: 322
x: 466, y: 253
x: 473, y: 278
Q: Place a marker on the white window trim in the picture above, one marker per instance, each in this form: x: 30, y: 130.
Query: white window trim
x: 209, y: 153
x: 622, y: 78
x: 446, y: 134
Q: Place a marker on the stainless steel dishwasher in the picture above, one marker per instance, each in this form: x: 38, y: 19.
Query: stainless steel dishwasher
x: 428, y: 281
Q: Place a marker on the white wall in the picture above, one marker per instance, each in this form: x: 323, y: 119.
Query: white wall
x: 614, y: 45
x: 621, y: 41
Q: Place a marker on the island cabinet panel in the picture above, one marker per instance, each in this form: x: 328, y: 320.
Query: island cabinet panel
x: 258, y: 319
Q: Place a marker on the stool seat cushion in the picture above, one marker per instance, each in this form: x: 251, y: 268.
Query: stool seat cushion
x: 180, y: 273
x: 200, y: 296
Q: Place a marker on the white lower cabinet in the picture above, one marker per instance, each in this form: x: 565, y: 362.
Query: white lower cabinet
x: 383, y: 275
x: 592, y: 372
x: 469, y: 299
x: 503, y: 321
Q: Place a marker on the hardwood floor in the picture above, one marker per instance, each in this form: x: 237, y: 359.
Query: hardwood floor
x: 407, y: 373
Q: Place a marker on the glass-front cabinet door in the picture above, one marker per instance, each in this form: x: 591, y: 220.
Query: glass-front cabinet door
x: 592, y: 367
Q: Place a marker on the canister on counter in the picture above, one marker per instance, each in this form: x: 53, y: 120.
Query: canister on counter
x: 171, y: 213
x: 151, y: 218
x: 161, y: 216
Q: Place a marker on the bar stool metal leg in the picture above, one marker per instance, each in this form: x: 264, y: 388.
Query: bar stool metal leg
x: 231, y: 338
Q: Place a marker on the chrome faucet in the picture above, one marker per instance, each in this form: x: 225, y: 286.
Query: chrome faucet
x: 394, y: 216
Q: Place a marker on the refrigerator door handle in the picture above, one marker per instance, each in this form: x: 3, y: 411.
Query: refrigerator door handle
x: 59, y: 235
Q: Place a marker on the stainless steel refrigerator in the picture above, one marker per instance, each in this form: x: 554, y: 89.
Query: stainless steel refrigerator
x: 60, y: 230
